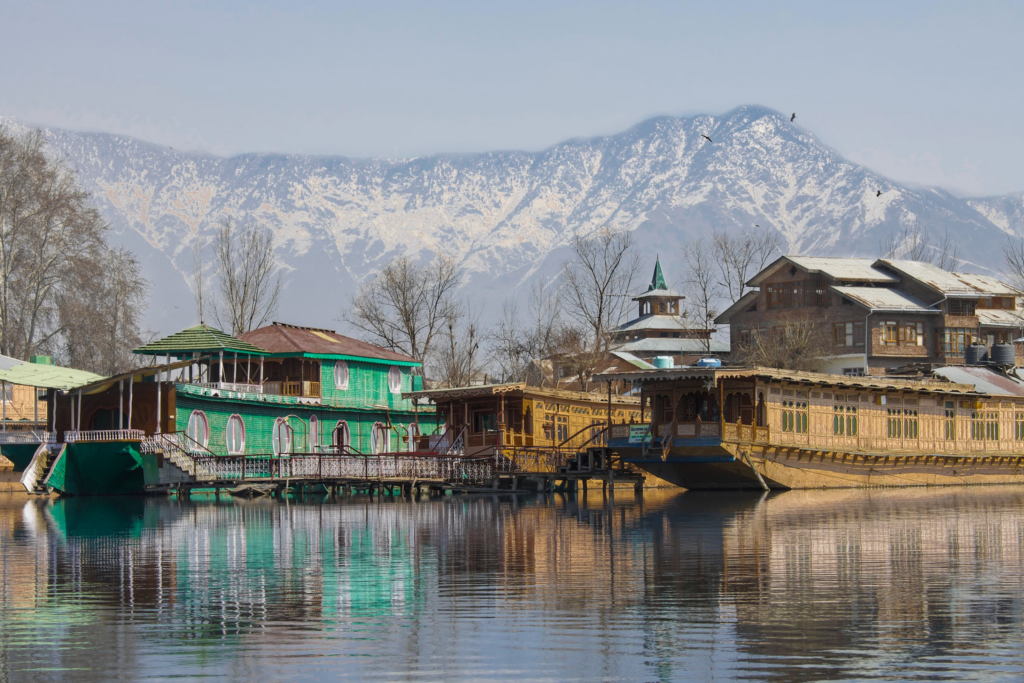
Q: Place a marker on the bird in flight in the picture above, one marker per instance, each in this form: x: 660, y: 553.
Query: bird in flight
x: 879, y: 194
x: 705, y: 136
x: 792, y: 118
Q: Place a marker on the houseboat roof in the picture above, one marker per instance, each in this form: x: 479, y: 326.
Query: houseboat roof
x: 985, y: 380
x: 884, y: 299
x: 867, y: 383
x: 199, y: 339
x: 46, y: 376
x: 282, y: 339
x: 517, y: 388
x: 949, y: 284
x: 842, y: 269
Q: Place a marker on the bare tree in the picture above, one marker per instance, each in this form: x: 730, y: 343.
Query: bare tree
x: 598, y: 281
x: 525, y: 334
x: 101, y: 315
x: 406, y: 306
x: 579, y: 355
x: 249, y: 288
x: 458, y: 361
x: 740, y: 257
x: 797, y: 344
x: 911, y: 243
x: 55, y: 264
x: 1013, y: 261
x: 701, y: 286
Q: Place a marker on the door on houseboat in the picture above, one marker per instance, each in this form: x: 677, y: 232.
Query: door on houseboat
x: 340, y: 437
x: 104, y: 419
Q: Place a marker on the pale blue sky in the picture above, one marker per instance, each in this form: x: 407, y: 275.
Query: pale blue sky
x: 928, y: 92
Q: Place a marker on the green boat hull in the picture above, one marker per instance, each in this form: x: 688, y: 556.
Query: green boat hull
x: 19, y: 453
x: 109, y: 468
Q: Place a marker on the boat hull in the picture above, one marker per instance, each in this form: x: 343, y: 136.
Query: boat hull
x: 726, y: 465
x: 20, y: 454
x: 98, y: 469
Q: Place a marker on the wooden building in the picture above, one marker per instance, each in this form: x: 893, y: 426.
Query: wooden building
x: 880, y: 314
x: 501, y: 417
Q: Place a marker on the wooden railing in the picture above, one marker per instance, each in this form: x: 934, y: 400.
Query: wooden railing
x: 741, y: 432
x: 232, y: 386
x: 297, y: 389
x: 28, y: 437
x: 104, y: 435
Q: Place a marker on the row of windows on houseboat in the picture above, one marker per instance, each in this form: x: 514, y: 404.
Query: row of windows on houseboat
x: 283, y: 434
x: 901, y: 423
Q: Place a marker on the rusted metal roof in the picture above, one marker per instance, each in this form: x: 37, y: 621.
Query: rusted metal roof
x: 841, y: 269
x: 281, y: 338
x: 884, y: 299
x: 950, y: 284
x: 985, y: 380
x: 995, y: 317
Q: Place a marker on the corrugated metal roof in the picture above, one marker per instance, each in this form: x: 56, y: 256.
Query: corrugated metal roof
x: 985, y: 380
x: 199, y: 339
x: 283, y: 338
x: 6, y: 362
x: 672, y: 346
x: 884, y: 298
x: 950, y: 284
x: 659, y: 322
x: 633, y: 360
x: 842, y: 269
x: 994, y: 317
x: 48, y: 376
x: 659, y: 294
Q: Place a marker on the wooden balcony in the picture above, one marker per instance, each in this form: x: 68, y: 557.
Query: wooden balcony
x: 298, y: 389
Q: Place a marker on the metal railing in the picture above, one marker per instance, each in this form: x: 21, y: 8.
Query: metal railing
x: 28, y: 437
x: 232, y: 386
x: 104, y: 435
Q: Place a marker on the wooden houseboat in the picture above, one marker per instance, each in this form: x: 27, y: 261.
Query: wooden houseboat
x: 273, y: 392
x: 537, y: 429
x: 741, y: 428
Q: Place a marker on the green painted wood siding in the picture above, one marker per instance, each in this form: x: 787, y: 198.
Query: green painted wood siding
x: 259, y: 417
x: 367, y: 386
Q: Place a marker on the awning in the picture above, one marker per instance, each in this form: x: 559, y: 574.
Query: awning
x: 48, y: 376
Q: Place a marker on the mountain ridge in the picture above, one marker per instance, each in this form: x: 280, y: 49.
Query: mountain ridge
x: 507, y: 216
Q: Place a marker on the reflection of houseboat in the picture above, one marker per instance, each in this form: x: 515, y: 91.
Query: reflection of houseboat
x: 531, y: 426
x: 717, y: 428
x: 277, y: 390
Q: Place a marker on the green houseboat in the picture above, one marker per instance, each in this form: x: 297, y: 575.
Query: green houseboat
x: 276, y: 392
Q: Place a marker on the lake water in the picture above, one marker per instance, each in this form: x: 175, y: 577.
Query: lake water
x: 795, y: 586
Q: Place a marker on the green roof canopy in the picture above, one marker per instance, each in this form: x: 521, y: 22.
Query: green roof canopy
x: 200, y: 339
x: 47, y: 376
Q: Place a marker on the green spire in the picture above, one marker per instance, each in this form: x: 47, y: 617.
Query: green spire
x: 658, y: 281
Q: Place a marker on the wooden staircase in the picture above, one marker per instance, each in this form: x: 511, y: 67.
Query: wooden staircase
x: 38, y: 471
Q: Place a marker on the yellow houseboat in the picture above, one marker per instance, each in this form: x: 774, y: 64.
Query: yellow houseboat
x: 736, y: 428
x: 536, y: 428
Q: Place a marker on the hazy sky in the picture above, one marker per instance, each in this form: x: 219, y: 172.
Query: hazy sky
x: 927, y: 92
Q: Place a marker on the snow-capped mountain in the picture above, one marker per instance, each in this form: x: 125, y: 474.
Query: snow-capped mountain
x: 507, y: 216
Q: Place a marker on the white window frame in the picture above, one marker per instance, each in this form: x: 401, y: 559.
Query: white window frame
x: 379, y: 428
x: 341, y: 375
x: 281, y: 426
x: 395, y: 386
x: 237, y: 419
x: 190, y: 430
x: 314, y: 432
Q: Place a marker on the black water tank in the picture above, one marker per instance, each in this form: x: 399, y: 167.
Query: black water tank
x: 1003, y: 354
x: 976, y: 354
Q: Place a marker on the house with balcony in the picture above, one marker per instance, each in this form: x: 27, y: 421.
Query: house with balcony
x: 881, y: 314
x: 278, y: 389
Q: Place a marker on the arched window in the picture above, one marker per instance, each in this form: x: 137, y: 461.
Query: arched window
x: 341, y: 375
x: 341, y: 436
x: 380, y: 439
x: 198, y: 428
x: 314, y: 433
x: 282, y: 438
x: 395, y: 380
x: 234, y: 435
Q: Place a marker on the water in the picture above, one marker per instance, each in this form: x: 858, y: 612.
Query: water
x: 796, y: 586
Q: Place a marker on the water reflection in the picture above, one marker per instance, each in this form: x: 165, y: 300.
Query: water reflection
x: 793, y: 586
